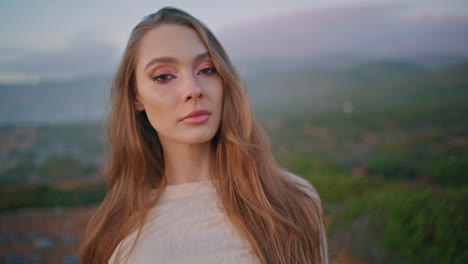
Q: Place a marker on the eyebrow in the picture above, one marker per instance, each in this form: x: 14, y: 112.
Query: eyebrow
x: 172, y: 60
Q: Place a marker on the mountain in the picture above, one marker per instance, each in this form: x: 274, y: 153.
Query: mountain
x: 296, y: 87
x: 368, y: 87
x: 375, y: 71
x: 83, y: 99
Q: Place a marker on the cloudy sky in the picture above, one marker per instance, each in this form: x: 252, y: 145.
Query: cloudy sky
x: 61, y: 39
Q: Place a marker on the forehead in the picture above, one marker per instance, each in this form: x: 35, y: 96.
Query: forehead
x: 180, y: 42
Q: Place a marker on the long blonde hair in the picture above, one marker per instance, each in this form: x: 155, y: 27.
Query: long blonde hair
x: 281, y: 221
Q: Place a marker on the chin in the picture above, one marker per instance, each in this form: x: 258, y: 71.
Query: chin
x: 196, y: 136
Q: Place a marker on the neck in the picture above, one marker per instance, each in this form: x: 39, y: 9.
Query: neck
x: 186, y: 163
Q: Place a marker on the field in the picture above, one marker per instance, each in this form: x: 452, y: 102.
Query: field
x: 385, y: 144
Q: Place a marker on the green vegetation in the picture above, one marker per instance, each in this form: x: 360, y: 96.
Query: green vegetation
x: 393, y: 166
x: 48, y: 197
x: 409, y: 135
x: 448, y: 171
x: 416, y: 224
x: 49, y: 153
x: 401, y: 222
x: 53, y: 168
x: 88, y: 137
x: 65, y: 167
x: 18, y: 174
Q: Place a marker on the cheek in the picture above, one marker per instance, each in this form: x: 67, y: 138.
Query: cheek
x: 160, y: 118
x: 218, y: 92
x: 158, y: 109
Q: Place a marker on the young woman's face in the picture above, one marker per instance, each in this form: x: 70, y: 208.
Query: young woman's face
x: 176, y: 79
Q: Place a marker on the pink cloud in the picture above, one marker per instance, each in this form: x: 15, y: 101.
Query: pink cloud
x: 370, y: 30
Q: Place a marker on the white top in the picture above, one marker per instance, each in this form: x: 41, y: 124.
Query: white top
x: 187, y: 225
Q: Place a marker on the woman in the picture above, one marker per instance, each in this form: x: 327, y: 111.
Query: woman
x: 191, y: 178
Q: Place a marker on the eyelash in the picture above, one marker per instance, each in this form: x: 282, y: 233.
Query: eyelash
x: 211, y: 70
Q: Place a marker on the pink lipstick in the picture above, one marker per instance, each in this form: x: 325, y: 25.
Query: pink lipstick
x: 196, y: 116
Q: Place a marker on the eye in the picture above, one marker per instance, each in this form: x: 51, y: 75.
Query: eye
x: 163, y: 77
x: 207, y: 71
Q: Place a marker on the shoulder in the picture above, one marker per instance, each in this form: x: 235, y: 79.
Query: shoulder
x: 303, y: 183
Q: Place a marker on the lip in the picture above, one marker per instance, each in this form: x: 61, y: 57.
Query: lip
x: 196, y: 116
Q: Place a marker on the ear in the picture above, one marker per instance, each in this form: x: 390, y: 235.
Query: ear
x: 138, y: 105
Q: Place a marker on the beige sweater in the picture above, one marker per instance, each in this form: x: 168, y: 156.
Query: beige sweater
x: 188, y: 226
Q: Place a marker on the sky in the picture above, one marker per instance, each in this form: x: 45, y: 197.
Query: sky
x: 64, y: 39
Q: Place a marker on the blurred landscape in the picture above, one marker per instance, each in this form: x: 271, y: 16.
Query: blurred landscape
x: 385, y: 142
x: 368, y: 100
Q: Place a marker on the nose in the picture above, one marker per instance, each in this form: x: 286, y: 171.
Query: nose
x: 192, y: 90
